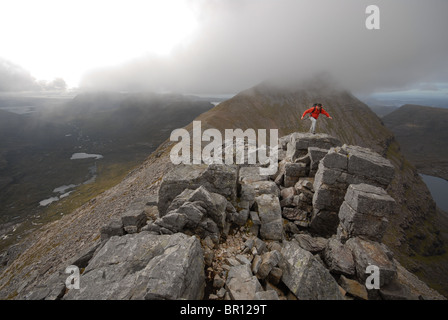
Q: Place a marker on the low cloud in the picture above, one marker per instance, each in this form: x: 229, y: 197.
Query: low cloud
x: 15, y: 78
x: 241, y: 43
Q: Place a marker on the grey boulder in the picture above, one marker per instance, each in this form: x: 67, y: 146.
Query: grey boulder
x: 311, y: 244
x: 133, y: 220
x: 221, y: 179
x: 144, y: 266
x: 364, y: 212
x: 365, y: 253
x: 339, y: 258
x: 270, y: 214
x: 241, y: 284
x: 305, y: 276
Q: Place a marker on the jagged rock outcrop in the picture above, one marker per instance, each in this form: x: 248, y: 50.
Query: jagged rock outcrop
x: 195, y: 212
x: 364, y: 212
x: 341, y: 167
x: 298, y: 234
x: 215, y: 178
x: 299, y: 144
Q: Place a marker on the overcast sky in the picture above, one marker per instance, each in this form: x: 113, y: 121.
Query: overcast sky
x: 225, y: 46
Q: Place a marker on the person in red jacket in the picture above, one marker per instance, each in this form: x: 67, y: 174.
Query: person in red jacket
x: 314, y: 112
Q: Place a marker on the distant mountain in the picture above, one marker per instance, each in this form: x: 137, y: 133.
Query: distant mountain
x: 382, y: 111
x: 268, y: 105
x: 422, y: 133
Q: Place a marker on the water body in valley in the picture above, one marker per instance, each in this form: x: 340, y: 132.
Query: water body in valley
x: 439, y: 190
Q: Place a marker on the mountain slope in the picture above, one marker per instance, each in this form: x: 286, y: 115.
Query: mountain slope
x: 269, y: 106
x: 36, y: 148
x: 422, y: 134
x: 412, y: 233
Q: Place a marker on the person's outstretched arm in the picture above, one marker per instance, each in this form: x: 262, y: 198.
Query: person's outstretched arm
x: 326, y: 113
x: 307, y: 111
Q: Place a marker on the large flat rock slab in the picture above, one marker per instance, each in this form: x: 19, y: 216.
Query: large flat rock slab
x: 299, y: 143
x: 144, y: 266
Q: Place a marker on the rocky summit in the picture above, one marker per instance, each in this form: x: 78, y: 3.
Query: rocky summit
x: 224, y: 232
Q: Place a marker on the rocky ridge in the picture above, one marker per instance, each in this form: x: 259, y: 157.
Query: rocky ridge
x: 226, y: 232
x: 416, y: 233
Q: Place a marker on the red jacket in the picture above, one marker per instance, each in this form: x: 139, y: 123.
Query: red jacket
x: 314, y: 112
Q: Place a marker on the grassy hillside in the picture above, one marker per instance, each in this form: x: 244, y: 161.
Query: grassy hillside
x: 35, y: 149
x: 422, y: 133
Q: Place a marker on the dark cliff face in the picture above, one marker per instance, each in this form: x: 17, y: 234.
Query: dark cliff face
x: 422, y: 134
x: 413, y: 232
